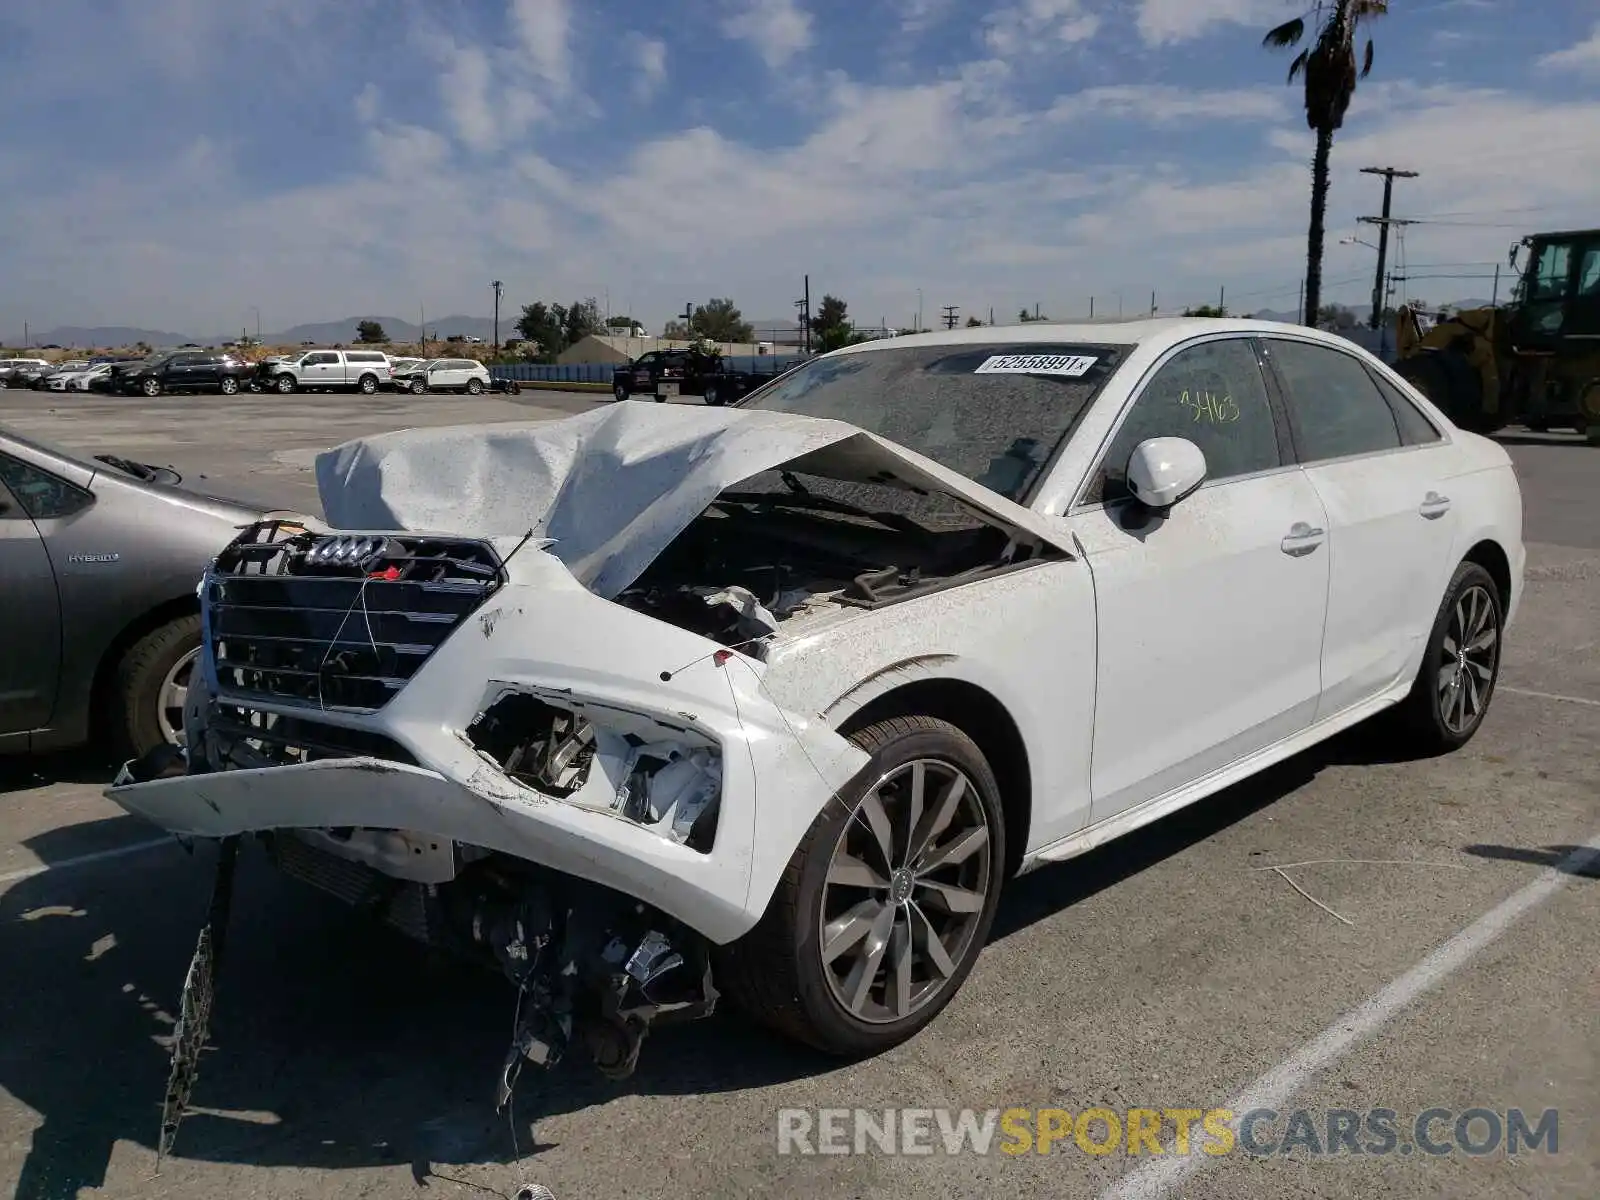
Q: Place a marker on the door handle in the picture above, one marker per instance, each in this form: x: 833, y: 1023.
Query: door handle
x: 1302, y: 539
x: 1434, y: 506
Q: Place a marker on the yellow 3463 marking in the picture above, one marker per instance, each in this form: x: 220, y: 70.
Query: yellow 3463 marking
x: 1210, y: 407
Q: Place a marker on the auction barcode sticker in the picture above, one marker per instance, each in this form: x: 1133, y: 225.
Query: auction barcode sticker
x: 1037, y: 364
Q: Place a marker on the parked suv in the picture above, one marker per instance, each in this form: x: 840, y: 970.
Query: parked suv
x: 326, y: 370
x: 185, y: 371
x: 445, y: 375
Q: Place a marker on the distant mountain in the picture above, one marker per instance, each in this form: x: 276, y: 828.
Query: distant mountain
x: 109, y: 335
x: 327, y: 333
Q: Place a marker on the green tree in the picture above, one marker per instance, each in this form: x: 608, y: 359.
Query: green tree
x: 370, y: 332
x: 1206, y: 310
x: 623, y: 323
x: 1329, y: 71
x: 545, y: 327
x: 831, y: 327
x: 1336, y: 317
x: 974, y: 323
x: 720, y: 321
x: 579, y: 321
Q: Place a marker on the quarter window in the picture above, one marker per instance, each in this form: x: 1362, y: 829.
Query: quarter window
x: 42, y: 495
x: 1415, y: 429
x: 1213, y: 395
x: 1337, y: 408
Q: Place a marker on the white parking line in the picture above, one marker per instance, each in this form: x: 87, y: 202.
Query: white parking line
x: 1160, y: 1177
x: 85, y: 859
x: 1516, y: 691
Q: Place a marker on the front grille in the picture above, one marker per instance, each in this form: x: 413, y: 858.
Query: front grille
x: 248, y: 737
x: 337, y: 634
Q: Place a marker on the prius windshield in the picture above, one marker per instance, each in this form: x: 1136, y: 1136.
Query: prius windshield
x: 994, y: 412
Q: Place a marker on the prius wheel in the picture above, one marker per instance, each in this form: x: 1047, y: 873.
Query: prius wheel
x: 151, y: 687
x: 1461, y: 665
x: 888, y: 900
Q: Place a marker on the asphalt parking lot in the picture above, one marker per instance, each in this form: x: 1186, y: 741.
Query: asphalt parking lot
x: 1441, y: 950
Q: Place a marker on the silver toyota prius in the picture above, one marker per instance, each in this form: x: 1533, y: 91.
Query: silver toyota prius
x: 99, y: 562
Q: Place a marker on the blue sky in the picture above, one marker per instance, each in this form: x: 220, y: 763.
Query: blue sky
x: 178, y: 163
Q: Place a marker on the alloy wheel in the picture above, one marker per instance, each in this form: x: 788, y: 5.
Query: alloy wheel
x: 1468, y: 656
x: 905, y: 892
x: 174, y: 697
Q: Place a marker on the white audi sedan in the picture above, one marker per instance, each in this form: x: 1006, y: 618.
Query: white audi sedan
x: 655, y: 702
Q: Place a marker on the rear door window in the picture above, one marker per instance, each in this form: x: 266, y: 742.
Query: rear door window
x: 1334, y: 404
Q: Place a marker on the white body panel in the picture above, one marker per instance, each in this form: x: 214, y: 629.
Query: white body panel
x: 1143, y: 671
x: 1210, y: 633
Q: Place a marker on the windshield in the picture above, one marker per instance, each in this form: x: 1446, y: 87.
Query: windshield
x: 993, y: 412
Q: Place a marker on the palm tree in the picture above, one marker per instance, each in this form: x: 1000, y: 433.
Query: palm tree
x: 1328, y: 67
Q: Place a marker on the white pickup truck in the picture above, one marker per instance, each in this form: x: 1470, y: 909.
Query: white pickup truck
x: 326, y: 370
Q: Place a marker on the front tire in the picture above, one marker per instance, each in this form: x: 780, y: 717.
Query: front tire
x: 887, y: 901
x: 711, y: 396
x: 285, y: 384
x: 620, y: 391
x: 418, y: 387
x: 151, y: 387
x: 1461, y: 665
x: 150, y: 688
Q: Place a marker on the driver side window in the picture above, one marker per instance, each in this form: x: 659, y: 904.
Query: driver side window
x: 1212, y: 394
x: 41, y: 495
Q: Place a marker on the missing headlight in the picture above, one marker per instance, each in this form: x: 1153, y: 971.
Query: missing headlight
x: 536, y: 743
x: 626, y: 767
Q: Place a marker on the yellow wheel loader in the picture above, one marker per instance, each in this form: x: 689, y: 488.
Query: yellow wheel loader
x: 1535, y: 361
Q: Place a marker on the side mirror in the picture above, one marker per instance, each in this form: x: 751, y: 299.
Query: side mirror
x: 1165, y: 471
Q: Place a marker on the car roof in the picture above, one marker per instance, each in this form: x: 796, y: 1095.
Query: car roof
x: 1109, y: 331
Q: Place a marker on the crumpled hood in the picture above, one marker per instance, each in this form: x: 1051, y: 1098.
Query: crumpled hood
x: 611, y: 488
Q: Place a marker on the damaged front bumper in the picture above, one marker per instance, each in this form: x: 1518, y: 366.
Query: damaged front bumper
x: 552, y: 726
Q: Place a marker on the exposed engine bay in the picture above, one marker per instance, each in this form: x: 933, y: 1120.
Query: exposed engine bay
x: 778, y: 546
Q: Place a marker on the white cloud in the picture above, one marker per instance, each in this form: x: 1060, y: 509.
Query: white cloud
x: 1165, y: 21
x: 649, y: 64
x: 1584, y: 57
x: 544, y: 29
x: 464, y: 89
x: 1039, y: 24
x: 776, y: 29
x: 367, y: 102
x: 1160, y: 104
x: 918, y: 15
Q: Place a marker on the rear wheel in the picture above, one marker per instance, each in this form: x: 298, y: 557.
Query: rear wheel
x: 150, y: 688
x: 711, y: 396
x: 368, y: 385
x: 1460, y: 666
x: 229, y: 385
x: 474, y: 387
x: 886, y: 903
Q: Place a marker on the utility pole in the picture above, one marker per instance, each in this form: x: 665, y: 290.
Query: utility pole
x: 804, y: 305
x: 422, y: 329
x: 1222, y: 298
x: 1494, y: 300
x: 1091, y: 308
x: 1300, y: 304
x: 1389, y: 175
x: 950, y: 314
x: 1152, y: 303
x: 498, y: 288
